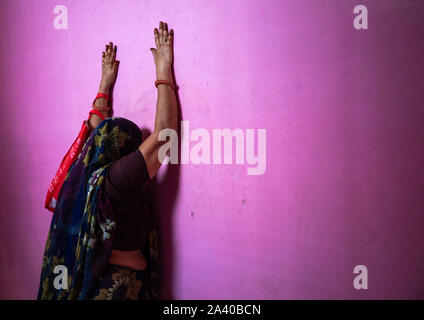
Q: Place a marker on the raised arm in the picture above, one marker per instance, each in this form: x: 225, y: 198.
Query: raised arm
x: 109, y: 70
x: 166, y: 106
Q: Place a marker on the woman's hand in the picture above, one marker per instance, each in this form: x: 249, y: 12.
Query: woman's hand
x: 163, y: 54
x: 109, y: 68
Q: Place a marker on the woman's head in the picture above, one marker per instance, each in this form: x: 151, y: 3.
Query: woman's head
x: 112, y: 139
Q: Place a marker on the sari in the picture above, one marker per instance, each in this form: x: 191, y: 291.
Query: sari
x: 81, y: 234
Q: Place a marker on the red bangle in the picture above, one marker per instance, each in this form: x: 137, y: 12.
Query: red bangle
x: 101, y: 95
x: 97, y: 112
x: 169, y: 83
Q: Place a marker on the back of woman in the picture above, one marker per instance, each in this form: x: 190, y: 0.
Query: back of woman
x: 102, y: 232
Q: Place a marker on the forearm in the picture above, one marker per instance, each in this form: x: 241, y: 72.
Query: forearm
x: 100, y: 105
x: 166, y: 106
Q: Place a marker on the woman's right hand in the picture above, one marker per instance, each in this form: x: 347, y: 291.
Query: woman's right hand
x: 163, y: 54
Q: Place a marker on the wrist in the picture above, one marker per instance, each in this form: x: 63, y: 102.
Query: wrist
x: 164, y: 73
x: 104, y: 88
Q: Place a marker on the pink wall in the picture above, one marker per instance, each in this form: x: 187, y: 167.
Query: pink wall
x: 343, y: 110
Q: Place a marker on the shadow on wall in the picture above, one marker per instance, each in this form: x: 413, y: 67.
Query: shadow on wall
x: 161, y: 196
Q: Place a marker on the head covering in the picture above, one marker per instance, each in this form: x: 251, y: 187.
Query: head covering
x: 83, y: 225
x: 67, y: 161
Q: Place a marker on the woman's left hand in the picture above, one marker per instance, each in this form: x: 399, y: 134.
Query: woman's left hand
x: 109, y: 67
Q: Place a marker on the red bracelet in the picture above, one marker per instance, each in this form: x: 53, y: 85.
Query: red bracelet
x: 101, y: 95
x: 97, y: 112
x: 169, y: 83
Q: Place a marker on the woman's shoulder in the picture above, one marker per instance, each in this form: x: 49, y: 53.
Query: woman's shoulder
x: 127, y: 176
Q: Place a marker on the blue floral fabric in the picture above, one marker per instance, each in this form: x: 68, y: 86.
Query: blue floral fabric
x: 122, y: 283
x: 83, y: 225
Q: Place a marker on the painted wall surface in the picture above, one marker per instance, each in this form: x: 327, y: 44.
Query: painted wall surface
x: 343, y: 113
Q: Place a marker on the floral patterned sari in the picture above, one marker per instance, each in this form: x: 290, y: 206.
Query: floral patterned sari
x: 83, y: 225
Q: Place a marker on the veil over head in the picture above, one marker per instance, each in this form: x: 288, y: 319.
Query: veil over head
x: 83, y: 224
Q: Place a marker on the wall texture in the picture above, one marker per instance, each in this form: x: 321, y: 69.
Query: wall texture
x: 343, y: 113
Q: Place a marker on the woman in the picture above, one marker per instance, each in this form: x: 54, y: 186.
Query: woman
x: 101, y: 229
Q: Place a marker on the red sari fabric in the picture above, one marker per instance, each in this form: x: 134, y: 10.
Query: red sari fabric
x: 67, y: 161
